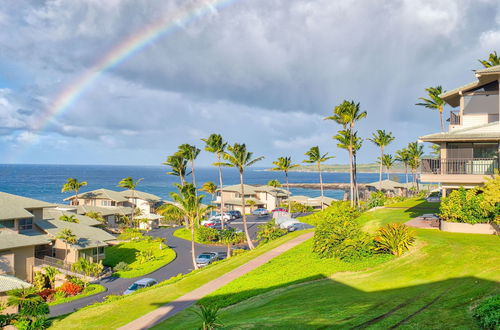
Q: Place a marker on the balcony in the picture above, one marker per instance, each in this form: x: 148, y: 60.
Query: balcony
x: 457, y: 166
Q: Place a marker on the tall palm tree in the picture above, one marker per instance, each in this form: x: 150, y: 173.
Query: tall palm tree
x: 130, y: 184
x: 315, y: 157
x: 190, y: 153
x: 416, y: 151
x: 387, y: 161
x: 73, y: 184
x: 493, y: 60
x: 403, y: 156
x: 66, y: 235
x: 285, y: 164
x: 274, y: 183
x: 216, y: 145
x: 381, y: 139
x: 240, y: 158
x: 210, y: 188
x: 178, y: 166
x: 433, y: 101
x: 68, y: 218
x: 347, y: 114
x: 189, y: 204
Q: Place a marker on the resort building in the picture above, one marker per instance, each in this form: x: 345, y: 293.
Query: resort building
x: 314, y: 202
x: 470, y: 147
x: 255, y: 197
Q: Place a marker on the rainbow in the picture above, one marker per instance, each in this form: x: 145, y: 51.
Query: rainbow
x: 130, y: 46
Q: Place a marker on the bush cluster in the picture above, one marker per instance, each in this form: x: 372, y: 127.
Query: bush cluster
x: 130, y: 233
x: 270, y: 231
x: 487, y: 314
x: 394, y: 238
x: 467, y: 206
x: 207, y: 234
x: 121, y: 267
x: 377, y: 198
x: 331, y: 212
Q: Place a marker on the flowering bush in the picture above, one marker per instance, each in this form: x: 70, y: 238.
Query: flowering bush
x: 47, y: 294
x: 70, y: 289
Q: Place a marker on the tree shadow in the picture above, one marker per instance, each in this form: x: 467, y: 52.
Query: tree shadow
x: 118, y: 254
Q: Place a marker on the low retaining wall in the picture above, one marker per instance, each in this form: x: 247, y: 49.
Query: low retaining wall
x: 478, y: 228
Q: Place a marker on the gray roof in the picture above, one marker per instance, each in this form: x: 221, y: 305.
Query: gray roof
x: 485, y: 132
x: 491, y: 69
x: 53, y: 213
x: 105, y: 211
x: 15, y: 207
x: 87, y: 236
x: 101, y: 194
x: 8, y: 283
x: 141, y: 195
x: 251, y: 189
x: 10, y: 239
x: 387, y: 185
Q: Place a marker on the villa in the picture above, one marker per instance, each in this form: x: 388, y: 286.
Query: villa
x: 255, y: 197
x: 470, y: 148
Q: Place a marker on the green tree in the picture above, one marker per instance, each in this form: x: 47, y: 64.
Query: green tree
x: 240, y: 158
x: 51, y: 273
x: 434, y: 101
x: 274, y: 183
x: 436, y: 150
x: 28, y: 302
x: 270, y: 231
x: 415, y: 151
x: 403, y: 156
x: 387, y: 161
x: 96, y: 216
x: 68, y: 218
x: 381, y: 139
x: 230, y: 237
x: 285, y: 164
x: 348, y: 114
x: 210, y: 188
x: 189, y: 204
x: 493, y: 60
x: 190, y: 152
x: 315, y: 157
x: 216, y: 145
x: 170, y: 212
x: 130, y: 184
x: 68, y: 237
x: 178, y: 166
x: 73, y: 184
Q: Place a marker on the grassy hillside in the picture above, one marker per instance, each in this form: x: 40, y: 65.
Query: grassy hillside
x: 432, y: 286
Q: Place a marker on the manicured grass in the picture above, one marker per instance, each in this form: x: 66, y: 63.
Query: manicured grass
x: 90, y: 290
x: 432, y: 286
x: 185, y: 233
x: 127, y: 252
x: 120, y: 312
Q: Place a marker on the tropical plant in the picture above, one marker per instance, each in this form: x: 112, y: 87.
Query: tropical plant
x: 403, y: 156
x: 467, y: 206
x: 191, y: 207
x: 73, y: 184
x: 207, y: 235
x: 436, y: 150
x: 415, y: 152
x: 130, y: 234
x: 29, y: 304
x: 487, y: 313
x: 381, y: 139
x: 144, y: 256
x: 209, y: 317
x: 284, y: 164
x: 251, y: 203
x: 315, y: 157
x: 171, y: 213
x: 70, y: 289
x: 377, y: 198
x: 87, y: 267
x: 493, y: 60
x: 274, y: 183
x: 129, y: 183
x: 66, y: 235
x: 331, y: 213
x: 216, y: 145
x: 269, y: 232
x: 69, y: 218
x: 39, y: 280
x: 121, y: 267
x: 434, y: 101
x: 387, y: 161
x: 394, y: 238
x: 230, y: 237
x: 51, y: 274
x: 240, y: 158
x: 210, y: 188
x: 96, y: 216
x: 178, y: 166
x: 190, y: 152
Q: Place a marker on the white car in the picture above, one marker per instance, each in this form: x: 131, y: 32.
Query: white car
x: 225, y: 217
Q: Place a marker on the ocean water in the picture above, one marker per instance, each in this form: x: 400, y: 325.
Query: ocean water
x: 44, y: 182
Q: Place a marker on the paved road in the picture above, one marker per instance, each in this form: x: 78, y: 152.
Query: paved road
x: 182, y: 264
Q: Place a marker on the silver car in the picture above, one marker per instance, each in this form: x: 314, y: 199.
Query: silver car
x: 141, y: 284
x: 206, y: 258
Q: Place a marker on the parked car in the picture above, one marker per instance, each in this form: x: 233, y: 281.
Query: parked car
x: 235, y: 214
x: 140, y: 284
x: 217, y: 224
x: 225, y: 217
x: 260, y: 212
x: 280, y: 209
x: 299, y: 226
x: 206, y: 258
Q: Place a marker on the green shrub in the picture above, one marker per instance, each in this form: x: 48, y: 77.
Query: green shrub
x: 487, y: 314
x: 331, y: 212
x: 130, y: 233
x: 207, y: 234
x: 394, y: 238
x: 237, y: 252
x: 40, y: 281
x: 76, y: 280
x: 377, y: 198
x: 465, y: 206
x: 121, y: 266
x: 87, y: 267
x: 144, y: 256
x: 269, y: 232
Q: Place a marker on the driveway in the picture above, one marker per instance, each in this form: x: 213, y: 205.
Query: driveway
x: 182, y: 264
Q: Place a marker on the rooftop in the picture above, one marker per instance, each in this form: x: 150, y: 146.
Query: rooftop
x: 15, y: 207
x: 485, y: 132
x: 101, y: 194
x: 141, y: 195
x: 251, y: 189
x: 10, y: 239
x: 8, y: 283
x: 54, y: 213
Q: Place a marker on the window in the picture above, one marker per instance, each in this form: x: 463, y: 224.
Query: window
x: 485, y: 150
x: 105, y: 203
x: 7, y: 224
x: 101, y: 249
x: 26, y: 224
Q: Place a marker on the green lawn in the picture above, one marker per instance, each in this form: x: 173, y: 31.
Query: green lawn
x: 432, y: 286
x: 120, y: 312
x: 185, y: 233
x: 127, y: 252
x: 90, y: 290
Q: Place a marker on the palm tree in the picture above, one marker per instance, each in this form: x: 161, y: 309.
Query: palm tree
x: 416, y: 151
x: 178, y: 166
x: 381, y: 139
x: 68, y: 218
x: 251, y: 204
x: 285, y: 164
x: 73, y: 184
x: 189, y: 204
x: 229, y: 237
x: 347, y: 114
x: 51, y: 273
x: 315, y: 157
x: 190, y: 153
x: 96, y: 216
x: 240, y: 158
x: 66, y: 235
x: 403, y: 156
x: 210, y: 188
x: 274, y: 183
x: 130, y: 184
x: 28, y: 302
x: 387, y: 161
x: 493, y: 60
x: 215, y: 144
x: 170, y: 212
x: 434, y: 102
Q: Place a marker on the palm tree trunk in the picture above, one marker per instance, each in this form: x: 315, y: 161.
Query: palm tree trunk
x: 245, y: 227
x: 356, y: 188
x: 192, y: 172
x: 288, y: 188
x: 441, y: 119
x: 229, y: 250
x: 380, y: 169
x: 321, y: 186
x: 351, y: 178
x: 133, y: 208
x: 193, y: 253
x: 221, y: 195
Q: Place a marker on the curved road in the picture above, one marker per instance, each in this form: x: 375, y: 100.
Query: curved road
x: 182, y: 264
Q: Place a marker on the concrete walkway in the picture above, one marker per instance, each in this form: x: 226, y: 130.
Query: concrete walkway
x: 168, y: 310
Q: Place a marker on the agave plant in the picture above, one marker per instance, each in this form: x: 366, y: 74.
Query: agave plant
x: 394, y: 238
x: 209, y: 317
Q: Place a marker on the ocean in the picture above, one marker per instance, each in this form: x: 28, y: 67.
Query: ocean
x: 44, y: 182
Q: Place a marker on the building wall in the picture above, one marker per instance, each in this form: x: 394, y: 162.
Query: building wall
x: 23, y: 262
x: 7, y: 262
x: 60, y: 250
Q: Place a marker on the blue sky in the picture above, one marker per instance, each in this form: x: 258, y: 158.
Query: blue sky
x: 263, y: 72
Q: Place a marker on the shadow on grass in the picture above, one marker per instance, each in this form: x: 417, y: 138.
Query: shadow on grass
x: 117, y: 253
x: 423, y: 208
